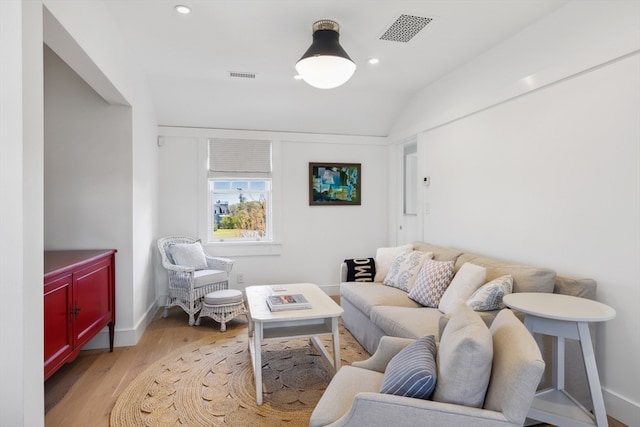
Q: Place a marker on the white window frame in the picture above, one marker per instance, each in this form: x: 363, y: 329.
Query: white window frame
x: 240, y: 248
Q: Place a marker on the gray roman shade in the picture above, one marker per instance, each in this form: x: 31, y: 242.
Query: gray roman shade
x: 230, y: 158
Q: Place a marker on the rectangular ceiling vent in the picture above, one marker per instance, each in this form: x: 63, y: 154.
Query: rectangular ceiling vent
x: 405, y: 28
x: 242, y: 75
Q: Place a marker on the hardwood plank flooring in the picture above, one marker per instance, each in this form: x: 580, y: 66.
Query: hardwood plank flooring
x: 83, y: 392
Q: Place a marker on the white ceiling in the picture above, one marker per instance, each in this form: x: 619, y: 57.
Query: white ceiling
x: 187, y: 58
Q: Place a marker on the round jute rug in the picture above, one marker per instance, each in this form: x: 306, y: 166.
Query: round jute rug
x: 210, y: 383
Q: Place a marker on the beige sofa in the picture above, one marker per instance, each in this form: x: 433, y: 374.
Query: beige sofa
x: 373, y: 310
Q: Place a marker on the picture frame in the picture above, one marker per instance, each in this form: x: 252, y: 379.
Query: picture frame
x: 335, y: 184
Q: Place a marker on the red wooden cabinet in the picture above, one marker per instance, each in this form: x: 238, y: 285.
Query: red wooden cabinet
x: 79, y: 301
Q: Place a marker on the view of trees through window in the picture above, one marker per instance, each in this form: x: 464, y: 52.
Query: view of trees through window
x: 240, y: 209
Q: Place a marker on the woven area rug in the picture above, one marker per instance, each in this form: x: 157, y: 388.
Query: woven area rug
x: 210, y: 383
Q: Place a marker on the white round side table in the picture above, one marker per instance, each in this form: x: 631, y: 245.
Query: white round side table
x: 564, y: 316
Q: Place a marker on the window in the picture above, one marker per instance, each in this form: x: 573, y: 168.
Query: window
x: 239, y: 191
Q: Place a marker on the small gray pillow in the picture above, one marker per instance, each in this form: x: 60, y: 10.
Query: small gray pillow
x: 189, y: 255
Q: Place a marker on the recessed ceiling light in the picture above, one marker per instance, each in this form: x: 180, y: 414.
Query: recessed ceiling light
x: 184, y: 10
x: 373, y: 61
x: 297, y: 77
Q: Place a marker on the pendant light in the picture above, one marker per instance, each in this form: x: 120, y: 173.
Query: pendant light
x: 325, y: 64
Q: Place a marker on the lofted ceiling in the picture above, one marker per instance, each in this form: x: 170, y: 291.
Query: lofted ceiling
x: 188, y: 58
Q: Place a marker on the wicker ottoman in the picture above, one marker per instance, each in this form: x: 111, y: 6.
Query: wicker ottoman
x: 222, y: 306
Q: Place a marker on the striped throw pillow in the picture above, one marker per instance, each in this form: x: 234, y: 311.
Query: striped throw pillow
x: 412, y: 372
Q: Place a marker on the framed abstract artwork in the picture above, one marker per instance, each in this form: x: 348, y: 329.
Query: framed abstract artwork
x: 335, y: 184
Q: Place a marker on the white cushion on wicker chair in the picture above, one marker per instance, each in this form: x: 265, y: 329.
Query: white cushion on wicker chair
x: 225, y: 296
x: 206, y: 277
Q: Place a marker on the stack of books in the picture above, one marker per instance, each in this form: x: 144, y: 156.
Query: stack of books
x: 287, y: 302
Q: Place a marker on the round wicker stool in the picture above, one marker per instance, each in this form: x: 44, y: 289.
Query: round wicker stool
x: 222, y: 306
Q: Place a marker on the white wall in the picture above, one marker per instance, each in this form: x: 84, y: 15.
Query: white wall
x: 87, y: 172
x: 21, y: 127
x: 76, y: 32
x: 311, y: 240
x: 21, y: 224
x: 533, y: 154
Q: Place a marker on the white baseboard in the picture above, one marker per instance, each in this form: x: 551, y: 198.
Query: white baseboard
x: 125, y: 337
x: 621, y: 408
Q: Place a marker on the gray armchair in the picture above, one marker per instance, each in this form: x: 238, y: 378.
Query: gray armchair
x: 188, y: 284
x: 353, y: 398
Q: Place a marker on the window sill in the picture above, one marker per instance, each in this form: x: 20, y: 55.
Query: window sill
x: 239, y: 249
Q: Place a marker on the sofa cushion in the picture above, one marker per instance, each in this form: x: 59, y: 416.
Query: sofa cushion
x: 361, y: 270
x: 489, y: 296
x: 412, y: 372
x: 365, y: 295
x: 525, y: 278
x: 207, y: 277
x: 468, y: 278
x: 440, y: 253
x: 406, y: 322
x: 432, y: 282
x: 578, y: 287
x: 386, y: 256
x: 404, y: 269
x: 464, y: 359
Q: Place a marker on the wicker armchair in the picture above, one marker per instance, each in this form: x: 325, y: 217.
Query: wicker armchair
x: 188, y: 285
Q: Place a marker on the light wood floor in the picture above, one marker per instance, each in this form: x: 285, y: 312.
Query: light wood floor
x: 83, y: 392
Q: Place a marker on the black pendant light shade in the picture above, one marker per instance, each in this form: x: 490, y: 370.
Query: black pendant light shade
x: 325, y: 64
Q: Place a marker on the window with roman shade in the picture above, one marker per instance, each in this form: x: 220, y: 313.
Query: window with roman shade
x: 239, y: 190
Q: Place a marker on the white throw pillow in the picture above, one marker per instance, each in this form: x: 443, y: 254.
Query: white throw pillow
x: 189, y: 255
x: 405, y: 268
x: 386, y: 256
x: 469, y: 278
x: 465, y: 356
x: 489, y: 296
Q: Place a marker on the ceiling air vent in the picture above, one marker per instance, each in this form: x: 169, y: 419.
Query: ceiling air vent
x: 242, y: 75
x: 404, y: 28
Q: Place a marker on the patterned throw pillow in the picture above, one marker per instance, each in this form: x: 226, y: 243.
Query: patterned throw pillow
x: 489, y: 296
x: 189, y: 255
x: 386, y: 256
x: 412, y: 372
x: 360, y: 270
x: 432, y: 281
x: 404, y: 269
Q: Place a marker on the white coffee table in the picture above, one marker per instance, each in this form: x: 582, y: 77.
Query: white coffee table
x: 564, y: 316
x: 320, y: 319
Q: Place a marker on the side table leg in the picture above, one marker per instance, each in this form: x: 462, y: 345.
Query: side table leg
x: 335, y: 334
x: 592, y: 375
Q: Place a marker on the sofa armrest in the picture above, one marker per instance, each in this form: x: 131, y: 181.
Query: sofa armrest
x: 343, y: 272
x: 388, y: 347
x: 389, y: 410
